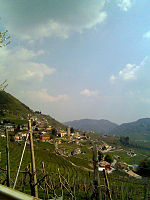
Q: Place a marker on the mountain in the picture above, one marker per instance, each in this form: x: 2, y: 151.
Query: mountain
x: 101, y: 126
x: 15, y: 111
x: 139, y: 130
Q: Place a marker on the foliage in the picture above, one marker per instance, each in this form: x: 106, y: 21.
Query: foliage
x: 100, y: 155
x: 54, y: 131
x: 4, y: 39
x: 71, y: 130
x: 108, y: 158
x: 124, y: 140
x: 144, y: 168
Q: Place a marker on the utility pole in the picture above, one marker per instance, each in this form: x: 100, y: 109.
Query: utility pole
x: 96, y: 174
x: 34, y: 191
x: 8, y: 161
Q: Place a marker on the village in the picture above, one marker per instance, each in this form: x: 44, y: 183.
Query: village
x: 44, y: 132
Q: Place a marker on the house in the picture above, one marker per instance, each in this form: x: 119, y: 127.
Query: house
x: 131, y: 173
x: 67, y: 153
x: 77, y: 151
x: 57, y: 141
x: 18, y: 137
x: 24, y: 134
x: 123, y: 165
x: 59, y: 151
x: 45, y: 138
x: 43, y: 133
x: 25, y: 127
x: 2, y: 135
x: 61, y: 133
x: 9, y: 126
x: 101, y: 169
x: 49, y: 128
x: 33, y: 118
x: 131, y: 153
x: 104, y: 164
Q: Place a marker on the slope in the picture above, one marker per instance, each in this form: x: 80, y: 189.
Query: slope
x: 100, y: 126
x: 15, y: 111
x: 11, y: 108
x: 139, y: 129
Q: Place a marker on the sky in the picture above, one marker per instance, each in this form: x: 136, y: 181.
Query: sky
x: 75, y: 59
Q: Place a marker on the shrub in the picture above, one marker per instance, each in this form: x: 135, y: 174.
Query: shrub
x: 108, y: 158
x: 144, y: 168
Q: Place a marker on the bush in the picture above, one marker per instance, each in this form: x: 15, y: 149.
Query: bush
x: 144, y: 168
x: 108, y: 158
x: 100, y: 155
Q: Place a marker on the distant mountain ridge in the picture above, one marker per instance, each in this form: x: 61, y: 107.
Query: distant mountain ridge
x: 139, y: 129
x: 100, y: 126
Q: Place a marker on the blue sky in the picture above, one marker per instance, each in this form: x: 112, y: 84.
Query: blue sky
x: 78, y: 59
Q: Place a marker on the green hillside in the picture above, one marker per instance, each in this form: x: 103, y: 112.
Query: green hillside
x: 138, y: 130
x: 15, y: 111
x: 11, y: 108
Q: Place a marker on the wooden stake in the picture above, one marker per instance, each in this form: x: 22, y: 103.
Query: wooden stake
x: 35, y: 188
x: 107, y: 184
x: 96, y: 174
x: 8, y: 161
x: 60, y: 183
x: 45, y: 180
x: 68, y: 177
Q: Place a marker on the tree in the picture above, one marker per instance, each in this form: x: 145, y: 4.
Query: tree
x: 108, y: 158
x: 100, y: 155
x: 144, y: 168
x: 4, y: 39
x: 124, y: 140
x: 54, y: 131
x: 2, y: 113
x: 71, y: 130
x: 33, y: 123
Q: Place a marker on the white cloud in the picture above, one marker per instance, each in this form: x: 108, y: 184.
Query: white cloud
x: 125, y: 5
x: 129, y: 72
x: 18, y: 64
x: 89, y: 93
x: 112, y: 78
x: 38, y: 19
x: 146, y: 35
x: 42, y: 95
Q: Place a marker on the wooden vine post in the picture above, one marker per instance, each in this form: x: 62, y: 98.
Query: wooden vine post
x: 8, y: 161
x: 96, y: 174
x: 45, y: 180
x: 107, y: 184
x: 34, y: 189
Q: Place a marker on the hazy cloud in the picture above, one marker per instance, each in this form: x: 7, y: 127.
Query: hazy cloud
x: 112, y: 78
x: 42, y: 95
x: 146, y: 35
x: 129, y: 72
x: 18, y: 64
x: 89, y: 93
x: 125, y: 5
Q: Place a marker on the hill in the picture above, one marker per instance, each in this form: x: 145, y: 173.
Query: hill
x: 11, y: 108
x: 101, y: 126
x: 15, y: 111
x: 139, y: 129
